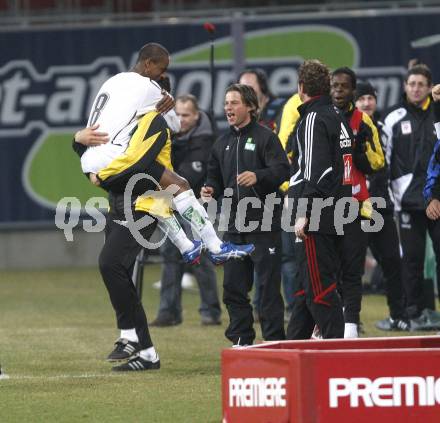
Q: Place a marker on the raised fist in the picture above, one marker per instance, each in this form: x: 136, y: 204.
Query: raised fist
x: 436, y: 92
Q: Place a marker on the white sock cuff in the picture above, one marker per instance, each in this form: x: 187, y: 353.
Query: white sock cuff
x: 130, y: 335
x: 350, y: 330
x: 184, y: 195
x: 149, y: 354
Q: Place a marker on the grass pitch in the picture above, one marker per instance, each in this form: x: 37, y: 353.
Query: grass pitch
x: 57, y: 327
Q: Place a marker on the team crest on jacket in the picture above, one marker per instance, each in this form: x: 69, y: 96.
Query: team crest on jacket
x: 344, y: 138
x: 405, y: 126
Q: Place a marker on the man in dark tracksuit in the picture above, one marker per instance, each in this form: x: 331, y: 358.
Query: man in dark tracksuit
x: 384, y: 244
x: 369, y: 151
x: 250, y: 162
x: 321, y: 171
x: 409, y: 136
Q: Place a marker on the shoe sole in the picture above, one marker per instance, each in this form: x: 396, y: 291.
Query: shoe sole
x: 116, y: 360
x: 154, y: 366
x: 231, y: 258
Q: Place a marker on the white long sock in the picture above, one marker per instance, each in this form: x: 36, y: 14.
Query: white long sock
x: 191, y: 210
x: 350, y: 330
x: 129, y: 334
x: 175, y: 232
x: 149, y: 354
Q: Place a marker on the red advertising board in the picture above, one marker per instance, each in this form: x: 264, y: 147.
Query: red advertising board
x: 356, y: 381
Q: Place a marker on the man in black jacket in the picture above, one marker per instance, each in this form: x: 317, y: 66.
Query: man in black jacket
x: 321, y: 174
x: 190, y: 150
x: 384, y: 244
x: 249, y: 163
x: 369, y: 150
x: 409, y: 136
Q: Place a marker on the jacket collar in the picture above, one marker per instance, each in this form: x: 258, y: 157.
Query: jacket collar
x: 425, y: 106
x: 245, y: 129
x: 347, y: 113
x: 318, y: 100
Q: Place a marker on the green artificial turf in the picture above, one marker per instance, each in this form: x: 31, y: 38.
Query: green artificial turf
x: 56, y: 328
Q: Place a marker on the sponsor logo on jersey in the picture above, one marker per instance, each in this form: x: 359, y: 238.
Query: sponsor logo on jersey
x: 344, y: 138
x: 348, y: 166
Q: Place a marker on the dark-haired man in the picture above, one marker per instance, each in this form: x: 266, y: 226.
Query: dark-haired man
x: 269, y: 106
x: 270, y: 112
x: 321, y: 174
x: 370, y: 158
x: 409, y: 136
x: 384, y: 244
x: 250, y: 163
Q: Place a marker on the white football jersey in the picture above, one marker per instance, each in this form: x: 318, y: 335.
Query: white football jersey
x: 119, y: 104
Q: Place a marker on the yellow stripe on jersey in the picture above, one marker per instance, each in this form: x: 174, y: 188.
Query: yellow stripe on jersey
x: 139, y: 145
x: 289, y: 118
x: 164, y: 157
x: 158, y: 206
x: 374, y: 151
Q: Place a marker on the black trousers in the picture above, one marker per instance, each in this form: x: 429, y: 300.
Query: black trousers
x: 318, y: 301
x: 238, y: 281
x: 413, y: 226
x: 385, y: 248
x: 352, y: 253
x: 116, y: 262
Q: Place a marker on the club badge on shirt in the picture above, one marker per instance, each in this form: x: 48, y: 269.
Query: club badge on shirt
x: 406, y: 127
x: 249, y: 145
x: 348, y: 166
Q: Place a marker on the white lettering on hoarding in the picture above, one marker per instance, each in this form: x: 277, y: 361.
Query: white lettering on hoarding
x: 408, y: 391
x: 257, y: 392
x: 62, y: 95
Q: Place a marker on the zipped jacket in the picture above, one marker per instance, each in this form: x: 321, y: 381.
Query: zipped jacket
x: 409, y: 136
x: 323, y: 151
x: 252, y: 148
